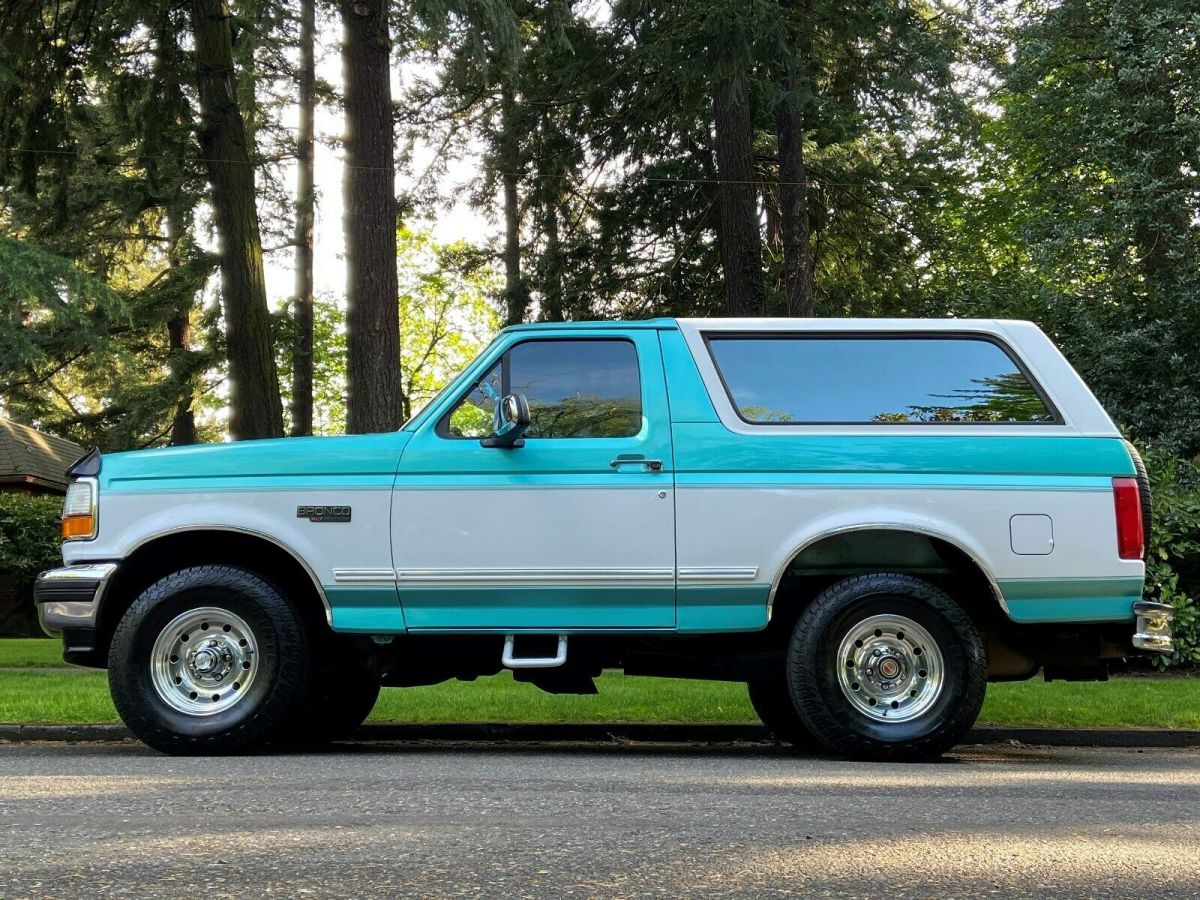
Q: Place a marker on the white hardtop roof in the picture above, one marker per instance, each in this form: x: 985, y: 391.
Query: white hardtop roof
x: 1081, y: 412
x: 997, y: 326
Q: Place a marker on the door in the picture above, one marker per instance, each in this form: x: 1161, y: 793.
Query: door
x: 574, y: 530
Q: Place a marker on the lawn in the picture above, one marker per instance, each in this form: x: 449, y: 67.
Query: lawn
x: 76, y: 696
x: 40, y: 652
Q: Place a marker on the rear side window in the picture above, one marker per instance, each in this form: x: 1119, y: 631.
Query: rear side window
x: 783, y: 379
x: 575, y: 389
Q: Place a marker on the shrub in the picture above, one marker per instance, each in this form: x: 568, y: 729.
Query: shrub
x: 29, y: 543
x: 1173, y: 552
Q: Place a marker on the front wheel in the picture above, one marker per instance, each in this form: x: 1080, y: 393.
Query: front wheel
x: 338, y: 701
x: 886, y: 666
x: 208, y: 660
x: 772, y: 701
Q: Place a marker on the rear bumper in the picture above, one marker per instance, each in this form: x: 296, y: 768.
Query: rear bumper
x: 1153, y: 631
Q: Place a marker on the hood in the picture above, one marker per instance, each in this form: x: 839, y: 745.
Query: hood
x: 346, y: 455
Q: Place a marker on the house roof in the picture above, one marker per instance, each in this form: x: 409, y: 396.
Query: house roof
x: 31, y: 456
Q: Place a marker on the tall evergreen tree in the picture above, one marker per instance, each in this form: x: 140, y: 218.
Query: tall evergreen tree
x: 373, y: 318
x: 302, y: 301
x: 255, y: 407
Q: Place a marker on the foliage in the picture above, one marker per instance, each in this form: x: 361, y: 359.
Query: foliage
x: 29, y: 534
x: 1173, y: 553
x: 29, y: 544
x: 1085, y: 214
x: 446, y: 318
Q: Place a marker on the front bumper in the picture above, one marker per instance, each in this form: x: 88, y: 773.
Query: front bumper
x: 1153, y: 632
x: 68, y: 599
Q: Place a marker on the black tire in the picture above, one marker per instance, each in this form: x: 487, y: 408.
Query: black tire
x: 336, y: 704
x: 824, y: 706
x: 1143, y: 480
x: 772, y: 701
x: 281, y: 661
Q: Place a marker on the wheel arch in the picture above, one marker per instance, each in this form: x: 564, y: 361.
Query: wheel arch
x: 958, y: 557
x: 157, y: 555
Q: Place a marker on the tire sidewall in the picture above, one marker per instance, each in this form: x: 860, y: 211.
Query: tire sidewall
x: 813, y: 669
x: 281, y: 653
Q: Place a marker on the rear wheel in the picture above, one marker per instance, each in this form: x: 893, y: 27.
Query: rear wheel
x: 886, y: 666
x: 209, y: 660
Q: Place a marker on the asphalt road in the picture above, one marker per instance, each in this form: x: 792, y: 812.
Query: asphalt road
x: 390, y: 821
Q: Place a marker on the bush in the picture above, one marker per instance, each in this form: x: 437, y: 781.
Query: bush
x: 1173, y: 553
x: 29, y: 543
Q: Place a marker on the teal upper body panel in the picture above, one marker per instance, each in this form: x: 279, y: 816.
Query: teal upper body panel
x: 712, y: 448
x: 362, y: 459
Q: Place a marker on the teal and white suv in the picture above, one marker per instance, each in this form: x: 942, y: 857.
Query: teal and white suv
x: 864, y: 520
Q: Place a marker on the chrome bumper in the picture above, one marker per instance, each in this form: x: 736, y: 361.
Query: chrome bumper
x: 70, y: 597
x: 1153, y: 632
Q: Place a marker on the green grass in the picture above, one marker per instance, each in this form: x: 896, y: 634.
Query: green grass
x: 1129, y: 702
x: 73, y: 697
x: 29, y: 652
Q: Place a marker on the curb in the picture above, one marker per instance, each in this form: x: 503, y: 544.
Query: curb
x: 483, y: 732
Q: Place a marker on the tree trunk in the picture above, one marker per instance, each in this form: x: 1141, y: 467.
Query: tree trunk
x: 516, y: 294
x: 179, y: 213
x: 302, y: 304
x: 793, y: 201
x: 552, y: 287
x: 179, y: 339
x: 373, y: 309
x: 737, y: 228
x: 255, y: 407
x: 183, y: 423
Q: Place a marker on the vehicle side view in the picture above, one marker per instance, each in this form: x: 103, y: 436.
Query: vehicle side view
x: 863, y: 520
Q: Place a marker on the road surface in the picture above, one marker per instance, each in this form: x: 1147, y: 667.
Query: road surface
x: 555, y: 821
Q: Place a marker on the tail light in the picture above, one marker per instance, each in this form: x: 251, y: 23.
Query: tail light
x: 1130, y: 535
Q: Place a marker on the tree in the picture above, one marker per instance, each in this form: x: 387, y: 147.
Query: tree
x: 302, y: 302
x: 728, y: 28
x: 255, y: 407
x: 447, y: 316
x: 1087, y: 217
x: 98, y: 181
x: 372, y: 318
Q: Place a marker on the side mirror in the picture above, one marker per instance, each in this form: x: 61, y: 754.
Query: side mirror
x: 510, y: 422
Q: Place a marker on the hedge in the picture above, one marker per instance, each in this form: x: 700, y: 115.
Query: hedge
x: 1173, y: 553
x: 29, y: 543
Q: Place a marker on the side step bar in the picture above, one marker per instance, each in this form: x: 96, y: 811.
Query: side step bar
x: 533, y: 662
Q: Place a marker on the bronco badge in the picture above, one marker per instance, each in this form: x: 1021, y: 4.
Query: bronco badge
x: 323, y: 513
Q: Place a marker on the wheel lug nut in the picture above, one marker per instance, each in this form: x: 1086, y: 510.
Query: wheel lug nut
x: 870, y: 672
x: 877, y: 653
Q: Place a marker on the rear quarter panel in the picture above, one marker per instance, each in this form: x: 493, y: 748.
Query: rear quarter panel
x: 750, y: 497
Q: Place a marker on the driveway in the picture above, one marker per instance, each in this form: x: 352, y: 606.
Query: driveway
x: 378, y: 820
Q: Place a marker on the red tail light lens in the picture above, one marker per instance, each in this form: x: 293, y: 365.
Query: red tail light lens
x: 1130, y: 537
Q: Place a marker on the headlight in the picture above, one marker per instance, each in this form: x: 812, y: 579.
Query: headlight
x: 79, y: 511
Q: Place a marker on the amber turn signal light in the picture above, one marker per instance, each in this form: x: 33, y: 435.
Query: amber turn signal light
x: 78, y: 527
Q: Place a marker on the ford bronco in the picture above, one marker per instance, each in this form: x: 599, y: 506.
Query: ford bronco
x: 863, y: 520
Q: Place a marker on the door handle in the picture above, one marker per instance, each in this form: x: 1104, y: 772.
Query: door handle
x: 654, y: 465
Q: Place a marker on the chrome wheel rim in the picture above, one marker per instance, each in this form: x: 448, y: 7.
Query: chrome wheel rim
x: 204, y: 661
x: 890, y: 669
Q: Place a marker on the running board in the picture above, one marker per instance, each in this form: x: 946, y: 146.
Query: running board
x: 533, y: 662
